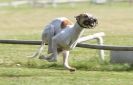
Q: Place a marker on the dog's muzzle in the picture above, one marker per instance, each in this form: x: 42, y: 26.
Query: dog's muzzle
x: 90, y: 23
x: 86, y: 22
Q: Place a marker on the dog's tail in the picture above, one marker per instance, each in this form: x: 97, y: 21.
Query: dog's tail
x: 38, y: 52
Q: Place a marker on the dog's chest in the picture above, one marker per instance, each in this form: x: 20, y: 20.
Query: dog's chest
x: 66, y: 38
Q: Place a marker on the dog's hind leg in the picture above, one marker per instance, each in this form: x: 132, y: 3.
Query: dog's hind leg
x: 38, y: 52
x: 65, y: 61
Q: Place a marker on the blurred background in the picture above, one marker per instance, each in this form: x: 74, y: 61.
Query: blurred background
x: 54, y: 3
x: 32, y: 15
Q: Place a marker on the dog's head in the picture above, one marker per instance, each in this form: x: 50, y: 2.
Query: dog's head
x: 86, y: 20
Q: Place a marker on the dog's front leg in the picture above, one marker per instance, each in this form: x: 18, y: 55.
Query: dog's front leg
x: 65, y: 61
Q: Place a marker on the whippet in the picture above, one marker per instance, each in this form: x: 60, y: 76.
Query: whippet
x: 62, y: 35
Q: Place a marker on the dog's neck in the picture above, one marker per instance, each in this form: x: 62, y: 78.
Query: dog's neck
x: 77, y: 30
x: 75, y: 34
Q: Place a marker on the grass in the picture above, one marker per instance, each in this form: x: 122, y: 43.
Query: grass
x: 26, y: 23
x: 24, y: 76
x: 56, y: 77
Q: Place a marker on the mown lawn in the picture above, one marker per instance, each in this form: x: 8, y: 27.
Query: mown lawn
x: 26, y: 23
x: 24, y: 76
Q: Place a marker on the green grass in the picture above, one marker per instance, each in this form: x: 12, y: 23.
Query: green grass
x: 25, y: 23
x: 24, y: 76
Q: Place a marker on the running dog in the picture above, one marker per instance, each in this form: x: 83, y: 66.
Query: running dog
x: 62, y: 35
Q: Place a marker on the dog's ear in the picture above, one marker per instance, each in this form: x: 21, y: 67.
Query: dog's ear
x: 77, y: 17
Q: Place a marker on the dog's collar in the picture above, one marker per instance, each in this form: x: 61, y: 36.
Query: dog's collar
x: 81, y: 25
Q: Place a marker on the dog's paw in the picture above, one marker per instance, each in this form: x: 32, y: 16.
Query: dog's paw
x: 42, y: 57
x: 72, y: 69
x: 49, y: 59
